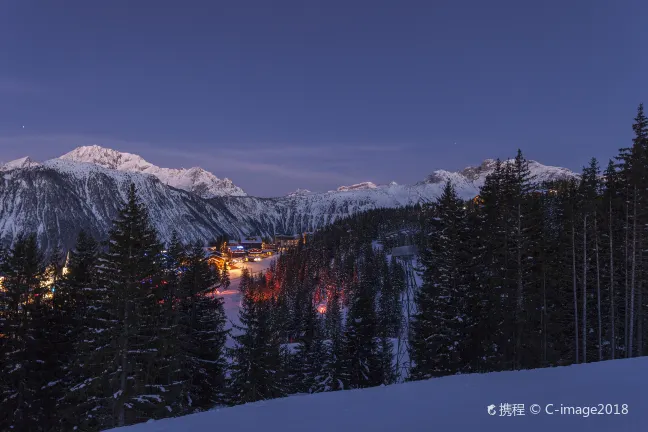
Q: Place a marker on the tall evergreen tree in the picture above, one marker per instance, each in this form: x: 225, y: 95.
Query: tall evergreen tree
x: 24, y: 349
x: 438, y: 325
x: 361, y: 355
x: 118, y: 376
x: 203, y: 320
x: 71, y: 311
x: 257, y: 368
x: 311, y: 355
x: 335, y: 379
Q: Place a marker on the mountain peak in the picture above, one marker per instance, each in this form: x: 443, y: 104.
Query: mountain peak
x: 24, y: 162
x: 107, y: 158
x: 299, y: 192
x: 477, y: 174
x: 196, y: 179
x: 358, y: 186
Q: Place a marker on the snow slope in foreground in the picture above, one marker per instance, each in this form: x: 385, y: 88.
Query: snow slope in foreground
x: 457, y: 403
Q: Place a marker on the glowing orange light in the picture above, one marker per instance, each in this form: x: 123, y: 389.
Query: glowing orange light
x: 321, y: 309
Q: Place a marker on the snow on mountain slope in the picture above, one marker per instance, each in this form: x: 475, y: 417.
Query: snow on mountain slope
x: 359, y: 186
x: 299, y: 192
x: 24, y: 162
x: 458, y: 403
x: 196, y: 180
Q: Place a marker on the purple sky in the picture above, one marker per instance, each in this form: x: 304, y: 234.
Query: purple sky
x: 278, y: 94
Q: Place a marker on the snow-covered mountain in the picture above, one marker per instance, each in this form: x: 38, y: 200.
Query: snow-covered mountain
x: 24, y: 162
x: 359, y: 186
x: 57, y: 198
x: 299, y: 192
x: 594, y: 397
x: 196, y: 180
x: 473, y: 177
x: 84, y: 189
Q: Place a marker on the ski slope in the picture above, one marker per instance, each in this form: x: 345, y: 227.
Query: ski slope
x: 455, y: 404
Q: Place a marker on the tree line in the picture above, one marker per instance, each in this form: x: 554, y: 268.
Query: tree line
x: 531, y: 275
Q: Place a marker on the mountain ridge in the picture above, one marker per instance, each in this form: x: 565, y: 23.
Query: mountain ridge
x: 58, y: 197
x: 195, y: 179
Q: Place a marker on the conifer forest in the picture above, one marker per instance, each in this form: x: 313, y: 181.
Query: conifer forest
x: 524, y: 275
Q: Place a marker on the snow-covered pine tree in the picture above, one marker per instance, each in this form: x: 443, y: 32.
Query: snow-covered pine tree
x: 171, y: 369
x: 336, y: 378
x: 225, y: 277
x: 488, y: 338
x: 71, y: 301
x: 256, y: 370
x: 23, y: 346
x: 437, y: 328
x: 120, y: 356
x: 361, y: 354
x: 390, y: 315
x: 203, y: 332
x: 390, y: 309
x: 633, y: 162
x: 310, y: 355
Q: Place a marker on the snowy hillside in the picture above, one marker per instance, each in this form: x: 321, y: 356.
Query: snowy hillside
x: 196, y: 180
x: 458, y: 403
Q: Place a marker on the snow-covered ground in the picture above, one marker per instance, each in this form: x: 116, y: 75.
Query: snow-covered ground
x: 458, y: 403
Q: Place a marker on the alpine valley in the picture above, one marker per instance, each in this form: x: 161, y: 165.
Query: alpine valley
x: 85, y: 187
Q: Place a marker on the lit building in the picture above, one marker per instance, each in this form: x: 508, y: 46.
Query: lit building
x: 283, y: 242
x: 252, y: 242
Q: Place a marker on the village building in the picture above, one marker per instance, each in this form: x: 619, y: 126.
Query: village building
x: 283, y: 242
x: 252, y: 242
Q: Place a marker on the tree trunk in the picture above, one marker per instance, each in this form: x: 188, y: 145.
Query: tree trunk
x: 612, y: 305
x: 632, y: 276
x: 598, y: 292
x: 626, y: 312
x: 584, y: 341
x: 520, y: 290
x: 121, y: 412
x: 576, y: 342
x: 544, y: 316
x: 639, y: 306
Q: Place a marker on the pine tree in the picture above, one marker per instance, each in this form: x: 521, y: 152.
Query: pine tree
x: 118, y: 379
x: 225, y: 277
x: 257, y: 368
x: 171, y: 369
x: 390, y: 310
x: 361, y: 355
x: 203, y: 321
x: 335, y: 379
x: 71, y: 309
x: 24, y: 349
x: 311, y: 355
x: 437, y: 329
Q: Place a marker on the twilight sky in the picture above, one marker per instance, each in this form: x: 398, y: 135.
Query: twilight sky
x: 281, y: 94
